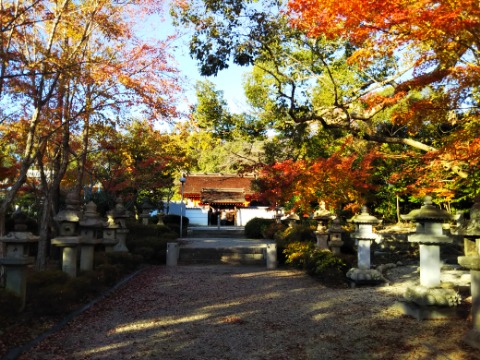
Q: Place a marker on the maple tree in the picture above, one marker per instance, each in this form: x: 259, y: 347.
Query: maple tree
x: 436, y: 41
x: 65, y: 67
x: 402, y: 75
x: 139, y: 162
x: 342, y: 181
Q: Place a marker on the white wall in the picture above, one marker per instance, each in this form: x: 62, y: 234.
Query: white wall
x: 244, y: 215
x: 197, y: 216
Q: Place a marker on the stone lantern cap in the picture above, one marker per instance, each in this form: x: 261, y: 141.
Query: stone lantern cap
x: 293, y: 217
x: 429, y: 227
x: 19, y: 237
x: 430, y: 213
x: 322, y: 213
x: 472, y: 227
x: 365, y: 218
x: 336, y: 226
x: 90, y: 217
x: 364, y: 226
x: 146, y: 205
x: 72, y: 210
x: 410, y: 216
x: 20, y: 233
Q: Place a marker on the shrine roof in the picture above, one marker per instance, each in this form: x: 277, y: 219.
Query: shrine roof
x: 197, y: 183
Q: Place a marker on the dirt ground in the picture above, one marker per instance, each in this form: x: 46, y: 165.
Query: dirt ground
x: 226, y: 312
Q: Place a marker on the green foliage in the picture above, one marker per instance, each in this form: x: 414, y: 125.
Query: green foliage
x: 54, y: 292
x: 322, y: 264
x: 9, y: 304
x: 297, y: 253
x: 270, y: 231
x: 295, y: 233
x: 51, y: 292
x: 254, y: 229
x: 151, y: 248
x: 126, y: 261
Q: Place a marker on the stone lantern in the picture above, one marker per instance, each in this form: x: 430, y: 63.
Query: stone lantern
x: 335, y: 232
x: 90, y: 226
x: 16, y: 259
x: 146, y: 210
x: 292, y: 220
x: 429, y: 236
x: 364, y: 236
x: 471, y: 234
x: 423, y: 301
x: 120, y: 215
x: 69, y: 237
x: 322, y: 216
x: 109, y: 239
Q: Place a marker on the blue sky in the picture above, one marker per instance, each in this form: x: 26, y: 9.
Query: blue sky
x: 229, y: 81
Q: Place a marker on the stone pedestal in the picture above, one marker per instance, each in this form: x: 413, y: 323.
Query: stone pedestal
x: 121, y: 236
x: 430, y: 265
x: 91, y: 226
x: 322, y: 239
x: 271, y: 256
x: 69, y: 245
x: 16, y: 277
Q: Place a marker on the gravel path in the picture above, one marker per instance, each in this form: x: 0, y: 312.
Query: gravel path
x: 249, y: 313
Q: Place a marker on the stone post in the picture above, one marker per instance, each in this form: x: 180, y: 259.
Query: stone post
x: 471, y: 235
x: 16, y: 260
x: 271, y: 255
x: 69, y: 237
x: 429, y: 299
x: 90, y: 226
x: 364, y: 236
x: 173, y: 252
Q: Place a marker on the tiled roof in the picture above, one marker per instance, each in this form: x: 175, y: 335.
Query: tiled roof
x: 195, y: 183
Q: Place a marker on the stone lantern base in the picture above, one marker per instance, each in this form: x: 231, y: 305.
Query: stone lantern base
x: 360, y: 277
x: 423, y: 303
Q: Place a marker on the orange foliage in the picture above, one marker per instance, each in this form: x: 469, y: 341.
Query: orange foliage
x: 341, y: 181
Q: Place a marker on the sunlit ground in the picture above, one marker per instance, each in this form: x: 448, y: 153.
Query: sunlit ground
x: 224, y: 313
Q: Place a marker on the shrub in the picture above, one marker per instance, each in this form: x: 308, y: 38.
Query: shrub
x: 10, y: 305
x: 42, y: 279
x: 127, y: 262
x: 297, y: 254
x: 173, y: 219
x: 151, y: 248
x: 322, y: 264
x: 110, y: 273
x: 301, y: 233
x: 255, y: 227
x: 270, y: 231
x: 54, y: 299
